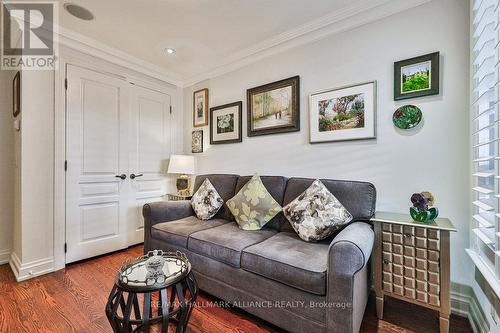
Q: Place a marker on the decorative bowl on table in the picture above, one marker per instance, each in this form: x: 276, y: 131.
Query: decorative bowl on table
x: 422, y: 210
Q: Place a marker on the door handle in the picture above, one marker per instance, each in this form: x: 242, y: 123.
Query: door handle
x: 134, y: 176
x: 122, y: 176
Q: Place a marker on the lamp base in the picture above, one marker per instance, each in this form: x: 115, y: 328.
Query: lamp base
x: 183, y: 185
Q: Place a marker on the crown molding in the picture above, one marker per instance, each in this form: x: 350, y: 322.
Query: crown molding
x: 355, y: 15
x: 84, y: 44
x: 359, y: 13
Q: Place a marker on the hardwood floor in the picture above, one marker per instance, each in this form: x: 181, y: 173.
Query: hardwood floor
x: 73, y: 299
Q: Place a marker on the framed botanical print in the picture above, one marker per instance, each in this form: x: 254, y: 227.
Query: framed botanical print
x: 274, y: 107
x: 197, y: 141
x: 416, y: 77
x: 200, y: 108
x: 347, y: 113
x: 16, y: 94
x: 225, y: 123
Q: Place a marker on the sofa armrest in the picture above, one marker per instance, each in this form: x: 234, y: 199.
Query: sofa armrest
x: 347, y: 278
x: 165, y: 211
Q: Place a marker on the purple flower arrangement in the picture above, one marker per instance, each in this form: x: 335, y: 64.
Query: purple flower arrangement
x: 422, y: 210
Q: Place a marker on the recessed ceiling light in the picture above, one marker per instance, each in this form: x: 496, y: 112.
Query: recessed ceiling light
x: 169, y: 50
x: 79, y: 11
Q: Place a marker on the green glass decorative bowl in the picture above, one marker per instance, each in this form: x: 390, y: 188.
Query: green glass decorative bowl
x: 421, y: 215
x: 407, y: 117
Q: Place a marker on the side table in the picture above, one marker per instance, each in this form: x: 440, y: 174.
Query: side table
x: 165, y: 274
x: 178, y: 197
x: 412, y: 262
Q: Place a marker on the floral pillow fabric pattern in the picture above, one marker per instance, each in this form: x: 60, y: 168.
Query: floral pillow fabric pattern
x: 316, y: 214
x: 206, y: 202
x: 253, y: 206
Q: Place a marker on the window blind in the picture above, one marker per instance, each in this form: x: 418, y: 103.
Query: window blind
x: 485, y: 130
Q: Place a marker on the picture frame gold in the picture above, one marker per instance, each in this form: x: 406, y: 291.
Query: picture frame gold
x: 200, y: 108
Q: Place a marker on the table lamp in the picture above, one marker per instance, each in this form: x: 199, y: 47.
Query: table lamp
x: 182, y: 165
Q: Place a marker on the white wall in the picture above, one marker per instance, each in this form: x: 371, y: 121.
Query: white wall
x: 433, y: 157
x: 6, y: 165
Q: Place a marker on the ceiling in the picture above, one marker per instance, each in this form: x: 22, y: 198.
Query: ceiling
x: 203, y: 32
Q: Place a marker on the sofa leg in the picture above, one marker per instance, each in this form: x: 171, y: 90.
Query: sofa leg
x: 380, y: 307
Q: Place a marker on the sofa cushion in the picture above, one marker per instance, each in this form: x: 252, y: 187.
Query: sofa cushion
x: 225, y: 185
x: 357, y: 197
x: 288, y: 259
x: 275, y: 185
x: 253, y: 207
x: 206, y: 202
x: 177, y: 232
x: 316, y: 214
x: 225, y: 243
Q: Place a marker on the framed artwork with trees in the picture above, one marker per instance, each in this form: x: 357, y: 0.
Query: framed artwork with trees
x: 346, y: 113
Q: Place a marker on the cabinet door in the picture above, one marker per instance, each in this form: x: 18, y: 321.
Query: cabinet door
x: 96, y: 151
x: 149, y: 150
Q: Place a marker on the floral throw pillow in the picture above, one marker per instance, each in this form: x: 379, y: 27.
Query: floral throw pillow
x: 253, y: 206
x: 316, y: 214
x: 206, y: 202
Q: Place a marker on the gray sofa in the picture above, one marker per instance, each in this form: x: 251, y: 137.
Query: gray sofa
x: 272, y: 273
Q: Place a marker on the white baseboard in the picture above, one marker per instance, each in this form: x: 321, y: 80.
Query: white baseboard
x: 464, y: 303
x: 4, y: 256
x: 25, y: 271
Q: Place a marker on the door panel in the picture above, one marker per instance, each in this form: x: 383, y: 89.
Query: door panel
x: 150, y: 144
x: 96, y: 201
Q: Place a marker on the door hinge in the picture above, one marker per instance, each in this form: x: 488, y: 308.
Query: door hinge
x: 66, y: 84
x: 170, y: 109
x: 65, y: 247
x: 65, y: 165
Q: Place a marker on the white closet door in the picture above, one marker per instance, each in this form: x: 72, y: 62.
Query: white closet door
x: 97, y: 151
x: 150, y: 148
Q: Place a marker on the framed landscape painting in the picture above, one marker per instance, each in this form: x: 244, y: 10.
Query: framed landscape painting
x: 274, y: 107
x: 197, y: 141
x: 416, y: 77
x: 347, y: 113
x: 200, y: 108
x: 225, y: 123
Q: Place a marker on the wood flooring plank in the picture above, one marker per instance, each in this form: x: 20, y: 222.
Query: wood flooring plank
x: 73, y: 300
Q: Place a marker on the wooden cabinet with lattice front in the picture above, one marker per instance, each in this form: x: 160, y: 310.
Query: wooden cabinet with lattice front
x: 412, y: 262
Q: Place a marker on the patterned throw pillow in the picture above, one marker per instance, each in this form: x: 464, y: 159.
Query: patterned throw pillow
x: 316, y: 214
x: 206, y: 202
x: 253, y: 206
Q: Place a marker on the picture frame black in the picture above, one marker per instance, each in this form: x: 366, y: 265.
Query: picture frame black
x: 16, y: 95
x: 238, y: 125
x: 294, y: 125
x: 433, y: 59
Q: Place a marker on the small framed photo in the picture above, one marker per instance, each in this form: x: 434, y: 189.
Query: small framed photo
x: 197, y: 141
x: 347, y: 113
x: 200, y: 108
x: 225, y: 123
x: 274, y: 107
x: 416, y: 77
x: 16, y: 95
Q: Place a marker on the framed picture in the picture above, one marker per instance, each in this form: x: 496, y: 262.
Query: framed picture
x: 197, y: 141
x: 200, y: 108
x: 274, y: 107
x: 347, y: 113
x: 225, y: 123
x: 16, y: 95
x: 416, y: 77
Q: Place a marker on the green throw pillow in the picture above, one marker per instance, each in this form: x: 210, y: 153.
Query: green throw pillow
x: 253, y: 206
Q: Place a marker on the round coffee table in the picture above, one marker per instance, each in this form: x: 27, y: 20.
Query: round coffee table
x: 158, y: 278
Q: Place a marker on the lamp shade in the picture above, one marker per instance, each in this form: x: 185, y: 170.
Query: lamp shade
x: 181, y: 164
